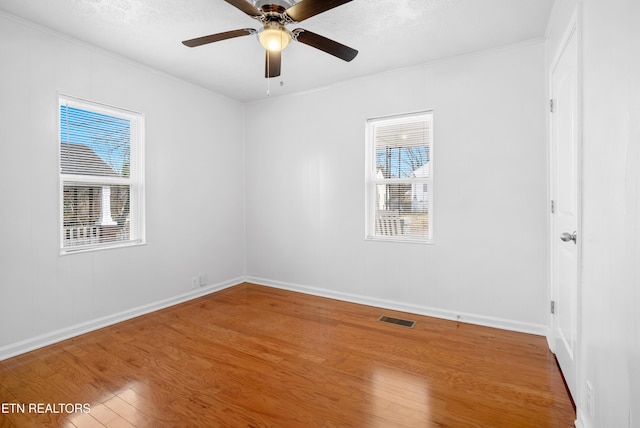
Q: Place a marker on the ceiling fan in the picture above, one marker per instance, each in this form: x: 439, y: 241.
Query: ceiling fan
x: 274, y: 36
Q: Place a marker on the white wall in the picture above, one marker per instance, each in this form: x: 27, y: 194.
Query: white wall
x: 609, y: 352
x: 305, y: 191
x: 193, y: 190
x: 305, y: 198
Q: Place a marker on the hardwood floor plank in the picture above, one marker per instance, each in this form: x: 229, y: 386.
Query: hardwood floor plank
x: 252, y: 356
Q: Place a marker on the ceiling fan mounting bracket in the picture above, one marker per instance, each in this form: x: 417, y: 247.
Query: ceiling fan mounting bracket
x: 285, y: 4
x: 274, y: 13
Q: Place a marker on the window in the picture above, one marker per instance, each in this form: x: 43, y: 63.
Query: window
x: 101, y: 176
x: 399, y: 183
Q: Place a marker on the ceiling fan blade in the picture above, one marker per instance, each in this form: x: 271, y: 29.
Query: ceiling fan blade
x: 245, y: 7
x: 308, y: 8
x: 327, y: 45
x: 272, y: 64
x: 199, y: 41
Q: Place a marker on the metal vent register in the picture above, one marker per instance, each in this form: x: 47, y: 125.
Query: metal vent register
x: 397, y: 321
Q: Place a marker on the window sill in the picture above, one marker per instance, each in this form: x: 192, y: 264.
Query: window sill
x: 85, y: 249
x: 399, y: 239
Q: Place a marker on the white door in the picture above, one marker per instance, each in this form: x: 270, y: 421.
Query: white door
x: 565, y: 240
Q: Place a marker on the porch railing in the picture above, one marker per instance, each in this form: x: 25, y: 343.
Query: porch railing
x: 74, y: 236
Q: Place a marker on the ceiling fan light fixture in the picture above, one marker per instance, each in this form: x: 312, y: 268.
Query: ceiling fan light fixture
x: 274, y: 39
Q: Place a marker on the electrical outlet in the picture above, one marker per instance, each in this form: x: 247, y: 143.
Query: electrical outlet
x: 590, y: 398
x: 203, y: 280
x: 195, y: 282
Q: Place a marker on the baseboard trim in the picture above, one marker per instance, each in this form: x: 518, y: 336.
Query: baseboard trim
x: 501, y: 323
x: 40, y: 341
x: 580, y: 420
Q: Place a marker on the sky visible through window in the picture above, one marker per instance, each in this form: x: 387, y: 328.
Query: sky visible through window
x: 401, y: 162
x: 108, y: 136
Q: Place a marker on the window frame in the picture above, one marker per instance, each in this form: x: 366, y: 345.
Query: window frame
x: 137, y: 235
x: 372, y: 181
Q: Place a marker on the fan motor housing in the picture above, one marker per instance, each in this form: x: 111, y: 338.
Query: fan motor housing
x: 285, y: 4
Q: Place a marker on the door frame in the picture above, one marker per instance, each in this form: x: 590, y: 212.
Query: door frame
x: 574, y: 28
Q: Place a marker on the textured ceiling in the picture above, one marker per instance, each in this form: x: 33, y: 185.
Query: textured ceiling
x: 388, y: 34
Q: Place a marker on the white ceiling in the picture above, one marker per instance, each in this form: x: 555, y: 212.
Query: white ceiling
x: 388, y: 34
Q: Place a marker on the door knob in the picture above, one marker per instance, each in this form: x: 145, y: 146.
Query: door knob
x: 566, y: 237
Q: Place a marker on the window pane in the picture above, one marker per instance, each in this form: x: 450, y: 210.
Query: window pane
x: 402, y: 210
x: 92, y: 143
x: 402, y: 146
x: 96, y: 214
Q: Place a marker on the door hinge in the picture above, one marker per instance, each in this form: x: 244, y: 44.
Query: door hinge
x: 553, y: 307
x: 553, y: 206
x: 551, y: 105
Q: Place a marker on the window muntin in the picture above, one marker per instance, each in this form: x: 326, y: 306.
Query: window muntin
x: 399, y: 189
x: 101, y: 176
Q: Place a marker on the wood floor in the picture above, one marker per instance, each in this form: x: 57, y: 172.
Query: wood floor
x: 252, y: 356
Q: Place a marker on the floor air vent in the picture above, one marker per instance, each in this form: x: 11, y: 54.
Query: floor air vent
x: 397, y: 321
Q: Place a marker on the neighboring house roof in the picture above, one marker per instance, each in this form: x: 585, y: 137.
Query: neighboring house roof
x: 422, y: 171
x: 79, y: 159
